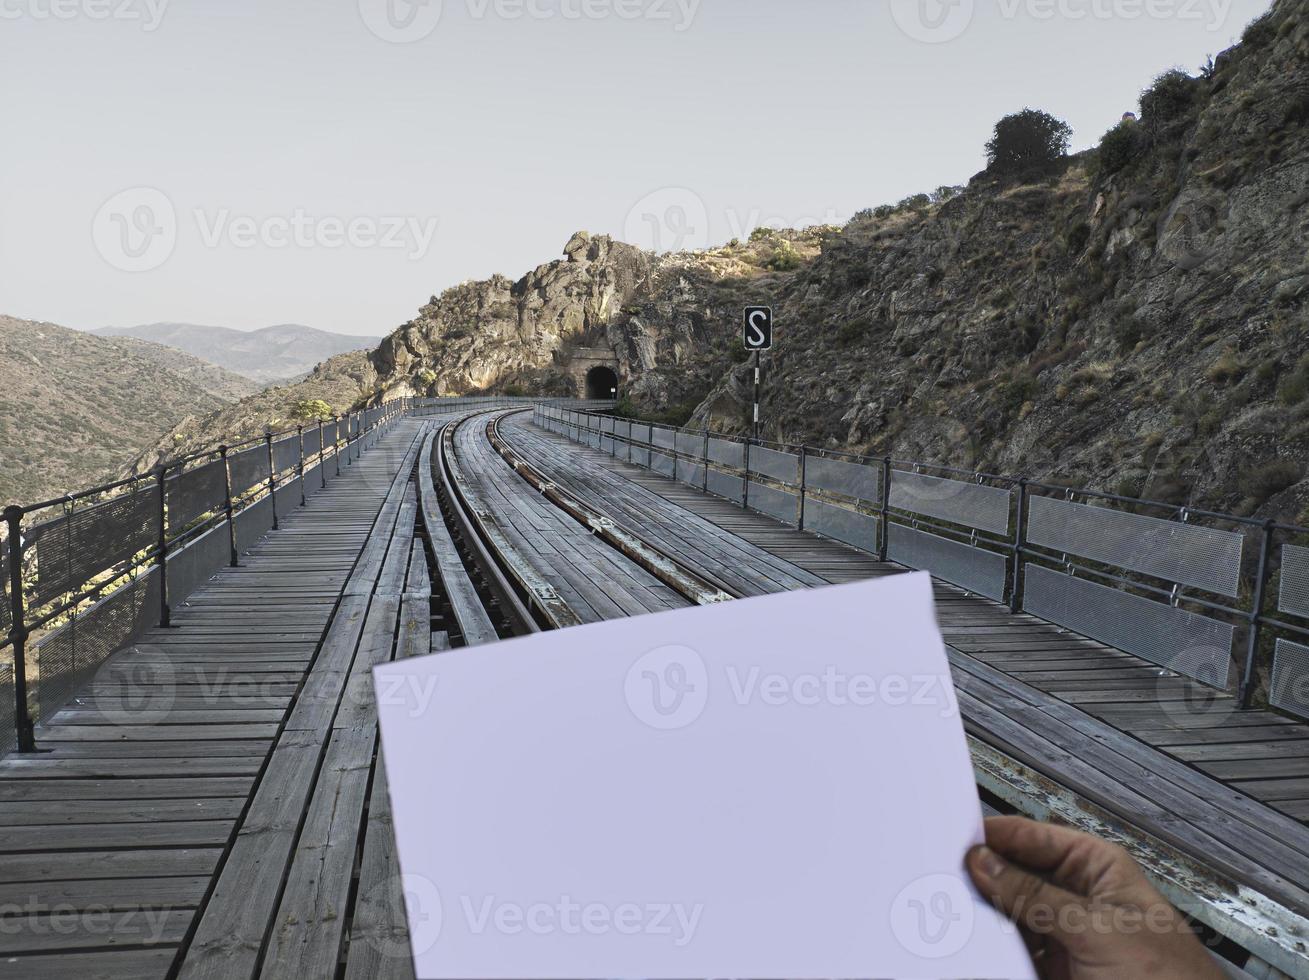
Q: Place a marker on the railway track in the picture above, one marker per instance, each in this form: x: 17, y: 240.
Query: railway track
x: 1010, y: 778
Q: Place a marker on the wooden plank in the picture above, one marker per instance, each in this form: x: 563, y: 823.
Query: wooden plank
x: 116, y: 965
x: 160, y: 862
x: 90, y: 930
x: 379, y: 936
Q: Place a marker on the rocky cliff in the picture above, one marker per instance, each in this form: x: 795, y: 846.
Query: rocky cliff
x: 1135, y: 321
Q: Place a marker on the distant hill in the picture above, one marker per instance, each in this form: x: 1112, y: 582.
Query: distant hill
x: 280, y: 353
x: 76, y: 408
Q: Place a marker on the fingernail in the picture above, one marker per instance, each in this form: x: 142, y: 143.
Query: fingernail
x: 992, y: 864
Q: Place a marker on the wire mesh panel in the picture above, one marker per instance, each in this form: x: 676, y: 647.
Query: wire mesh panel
x: 71, y: 550
x: 972, y: 568
x: 690, y: 473
x: 286, y: 454
x: 194, y: 493
x: 67, y: 658
x: 1288, y: 688
x: 253, y: 523
x: 248, y: 468
x: 1294, y: 596
x: 783, y: 467
x: 690, y: 444
x: 725, y: 485
x: 623, y: 431
x: 329, y: 433
x: 773, y: 502
x: 197, y: 563
x: 727, y: 453
x: 8, y: 707
x: 840, y: 524
x: 607, y: 444
x: 663, y: 438
x: 640, y: 433
x: 1200, y: 556
x: 1185, y: 642
x: 311, y: 442
x: 849, y: 479
x: 663, y: 464
x: 606, y: 423
x: 985, y: 508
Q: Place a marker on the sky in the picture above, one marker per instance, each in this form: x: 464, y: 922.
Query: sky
x: 336, y: 162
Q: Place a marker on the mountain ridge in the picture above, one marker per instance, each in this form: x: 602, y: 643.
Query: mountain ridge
x: 75, y: 408
x: 274, y: 354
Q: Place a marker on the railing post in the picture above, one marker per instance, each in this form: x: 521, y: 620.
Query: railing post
x: 165, y: 614
x: 745, y: 475
x: 884, y: 510
x: 705, y: 474
x: 1020, y: 531
x: 336, y: 445
x: 227, y: 504
x: 1249, y: 677
x: 322, y: 461
x: 18, y: 632
x: 349, y: 428
x: 800, y: 469
x: 272, y: 477
x: 300, y: 431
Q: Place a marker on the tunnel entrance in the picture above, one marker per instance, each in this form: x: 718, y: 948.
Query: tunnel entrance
x: 601, y: 384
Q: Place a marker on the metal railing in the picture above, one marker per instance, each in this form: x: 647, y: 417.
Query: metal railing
x: 445, y: 406
x: 88, y: 573
x: 1219, y: 598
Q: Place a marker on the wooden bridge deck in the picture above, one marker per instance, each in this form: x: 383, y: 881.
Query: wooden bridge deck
x: 1164, y: 753
x: 197, y: 810
x: 212, y: 805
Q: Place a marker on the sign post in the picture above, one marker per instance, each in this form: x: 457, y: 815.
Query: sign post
x: 757, y: 335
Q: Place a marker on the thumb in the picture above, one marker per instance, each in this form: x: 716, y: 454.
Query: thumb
x: 1026, y: 898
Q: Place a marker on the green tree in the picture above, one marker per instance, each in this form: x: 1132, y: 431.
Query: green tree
x: 1027, y: 140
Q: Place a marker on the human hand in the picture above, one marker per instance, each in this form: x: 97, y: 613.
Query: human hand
x: 1085, y: 907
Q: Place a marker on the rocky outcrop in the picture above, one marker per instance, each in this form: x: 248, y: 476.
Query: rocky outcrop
x: 1137, y: 326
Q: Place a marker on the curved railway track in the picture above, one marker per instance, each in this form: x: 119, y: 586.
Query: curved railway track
x: 1011, y: 777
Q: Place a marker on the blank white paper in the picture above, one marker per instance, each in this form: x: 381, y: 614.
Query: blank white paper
x: 771, y: 787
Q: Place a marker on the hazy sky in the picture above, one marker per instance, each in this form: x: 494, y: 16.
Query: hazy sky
x: 335, y: 162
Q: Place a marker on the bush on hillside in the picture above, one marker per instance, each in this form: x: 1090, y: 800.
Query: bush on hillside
x: 1168, y: 100
x: 311, y: 410
x: 1119, y: 147
x: 1027, y: 140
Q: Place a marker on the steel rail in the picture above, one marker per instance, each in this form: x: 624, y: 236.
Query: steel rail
x: 515, y: 585
x: 694, y: 584
x: 472, y: 613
